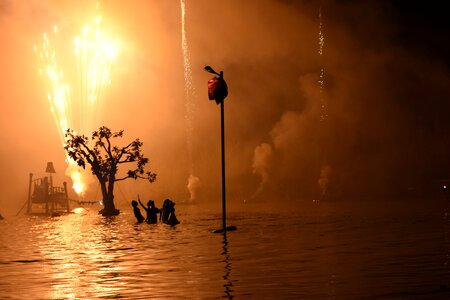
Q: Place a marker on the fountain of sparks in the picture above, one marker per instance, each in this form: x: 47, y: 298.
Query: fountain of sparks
x: 323, y: 105
x: 193, y: 181
x: 75, y: 82
x: 326, y: 170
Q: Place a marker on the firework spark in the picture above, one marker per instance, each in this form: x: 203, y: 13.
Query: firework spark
x: 193, y: 181
x: 321, y: 81
x: 74, y: 94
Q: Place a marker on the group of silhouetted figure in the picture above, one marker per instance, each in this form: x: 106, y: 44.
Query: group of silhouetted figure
x: 166, y: 213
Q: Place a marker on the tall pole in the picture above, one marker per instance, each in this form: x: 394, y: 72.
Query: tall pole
x: 222, y: 130
x: 218, y: 91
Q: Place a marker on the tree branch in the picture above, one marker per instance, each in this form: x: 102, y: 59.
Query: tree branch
x: 120, y: 179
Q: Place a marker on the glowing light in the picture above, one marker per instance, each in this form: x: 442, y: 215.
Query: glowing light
x: 193, y: 181
x: 321, y: 81
x: 321, y: 37
x: 74, y: 94
x: 78, y: 178
x: 78, y: 210
x: 189, y: 89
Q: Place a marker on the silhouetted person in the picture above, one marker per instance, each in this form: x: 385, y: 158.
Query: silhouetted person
x: 172, y: 218
x: 152, y: 211
x: 137, y: 211
x: 165, y: 211
x: 168, y: 213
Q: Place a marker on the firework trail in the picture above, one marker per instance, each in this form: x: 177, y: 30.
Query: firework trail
x: 193, y: 181
x: 323, y: 105
x: 326, y: 170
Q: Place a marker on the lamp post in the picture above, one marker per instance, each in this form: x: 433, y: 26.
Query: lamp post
x: 218, y: 91
x: 50, y: 170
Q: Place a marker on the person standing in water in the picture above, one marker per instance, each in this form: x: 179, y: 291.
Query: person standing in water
x: 137, y: 211
x: 165, y: 211
x: 172, y: 218
x: 152, y: 211
x: 168, y: 213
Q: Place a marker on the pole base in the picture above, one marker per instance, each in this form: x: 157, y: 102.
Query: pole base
x: 228, y: 228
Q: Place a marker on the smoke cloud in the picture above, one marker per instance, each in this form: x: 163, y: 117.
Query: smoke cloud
x: 193, y: 185
x: 324, y: 179
x: 262, y: 161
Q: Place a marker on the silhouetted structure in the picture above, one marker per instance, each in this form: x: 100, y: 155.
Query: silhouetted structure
x: 44, y: 197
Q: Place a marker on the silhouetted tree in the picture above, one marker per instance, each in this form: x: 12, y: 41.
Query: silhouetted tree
x: 105, y: 158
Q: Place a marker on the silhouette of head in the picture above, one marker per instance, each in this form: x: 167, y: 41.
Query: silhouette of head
x: 134, y: 203
x: 167, y: 203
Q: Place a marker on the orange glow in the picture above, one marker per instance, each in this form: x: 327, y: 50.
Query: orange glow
x: 75, y: 83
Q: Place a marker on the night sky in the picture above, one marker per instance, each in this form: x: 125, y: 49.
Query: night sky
x: 385, y: 134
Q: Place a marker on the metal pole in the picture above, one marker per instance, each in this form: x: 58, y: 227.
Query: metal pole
x: 222, y: 123
x: 217, y: 90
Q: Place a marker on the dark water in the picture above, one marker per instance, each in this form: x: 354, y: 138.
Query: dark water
x: 321, y: 252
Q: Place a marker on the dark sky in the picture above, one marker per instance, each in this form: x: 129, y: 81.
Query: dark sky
x: 424, y: 25
x: 385, y: 94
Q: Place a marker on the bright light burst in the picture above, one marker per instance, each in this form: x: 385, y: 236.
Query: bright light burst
x: 74, y: 94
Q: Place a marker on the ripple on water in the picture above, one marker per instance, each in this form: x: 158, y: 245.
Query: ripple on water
x: 310, y: 256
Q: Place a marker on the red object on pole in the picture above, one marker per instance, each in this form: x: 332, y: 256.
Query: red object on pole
x: 217, y: 89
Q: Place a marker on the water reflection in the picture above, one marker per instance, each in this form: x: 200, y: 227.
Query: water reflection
x: 447, y: 238
x: 228, y: 285
x: 81, y: 262
x: 87, y: 256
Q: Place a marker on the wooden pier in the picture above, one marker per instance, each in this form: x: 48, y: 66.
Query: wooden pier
x: 43, y: 197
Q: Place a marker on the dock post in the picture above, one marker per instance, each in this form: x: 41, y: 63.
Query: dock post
x: 29, y: 193
x: 67, y: 196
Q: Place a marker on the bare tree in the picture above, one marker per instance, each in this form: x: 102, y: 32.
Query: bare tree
x: 105, y: 159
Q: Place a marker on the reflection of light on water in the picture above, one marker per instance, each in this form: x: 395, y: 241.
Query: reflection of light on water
x: 228, y: 285
x: 315, y: 254
x: 78, y: 210
x: 82, y: 266
x: 447, y: 238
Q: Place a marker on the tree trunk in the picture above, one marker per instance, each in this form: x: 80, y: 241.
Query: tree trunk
x: 109, y: 208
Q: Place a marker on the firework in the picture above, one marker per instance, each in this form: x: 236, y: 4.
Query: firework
x: 193, y: 181
x: 323, y: 105
x: 75, y: 81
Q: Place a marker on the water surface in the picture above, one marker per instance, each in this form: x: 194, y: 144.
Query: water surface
x: 321, y: 252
